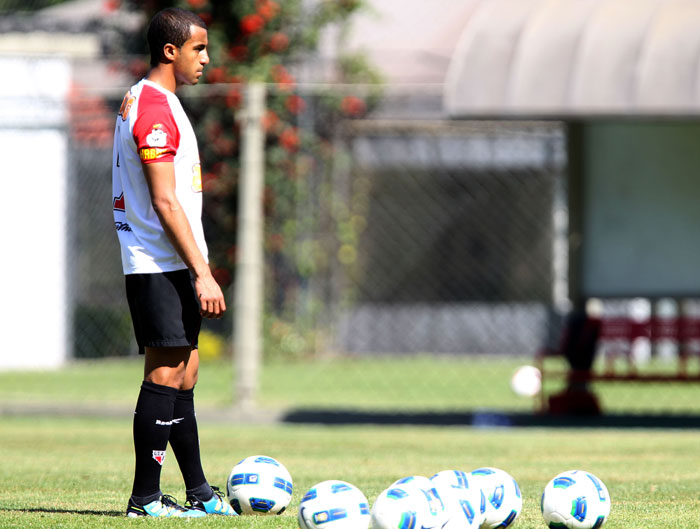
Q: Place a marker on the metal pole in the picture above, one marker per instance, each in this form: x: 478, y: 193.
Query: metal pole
x: 248, y: 309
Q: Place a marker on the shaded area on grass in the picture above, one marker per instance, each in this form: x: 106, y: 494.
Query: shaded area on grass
x: 487, y: 419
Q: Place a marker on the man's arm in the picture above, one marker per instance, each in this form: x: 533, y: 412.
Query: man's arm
x: 160, y: 177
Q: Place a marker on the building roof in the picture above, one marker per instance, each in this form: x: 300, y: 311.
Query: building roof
x: 577, y: 57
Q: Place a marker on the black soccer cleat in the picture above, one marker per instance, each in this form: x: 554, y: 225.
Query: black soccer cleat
x: 215, y: 505
x: 163, y: 507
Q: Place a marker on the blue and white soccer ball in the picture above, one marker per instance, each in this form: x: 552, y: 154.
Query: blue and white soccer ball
x: 464, y: 499
x: 575, y: 499
x: 259, y: 485
x: 413, y: 502
x: 334, y: 504
x: 504, y: 502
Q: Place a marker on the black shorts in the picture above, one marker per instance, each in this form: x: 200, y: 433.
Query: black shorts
x: 164, y: 309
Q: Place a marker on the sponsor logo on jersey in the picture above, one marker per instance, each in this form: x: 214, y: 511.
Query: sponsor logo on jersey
x: 126, y: 106
x: 122, y: 226
x: 153, y: 153
x: 197, y: 178
x: 157, y: 137
x: 159, y: 456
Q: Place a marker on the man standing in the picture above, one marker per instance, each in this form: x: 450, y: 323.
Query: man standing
x: 157, y: 203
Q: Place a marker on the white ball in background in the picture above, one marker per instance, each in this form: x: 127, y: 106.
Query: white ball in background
x: 526, y: 381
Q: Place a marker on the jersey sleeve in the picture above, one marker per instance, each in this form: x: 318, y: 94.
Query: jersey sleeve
x: 155, y: 131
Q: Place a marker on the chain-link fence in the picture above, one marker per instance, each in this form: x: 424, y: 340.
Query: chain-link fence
x: 411, y: 262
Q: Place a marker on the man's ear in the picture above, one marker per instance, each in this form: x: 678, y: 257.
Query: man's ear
x: 170, y: 52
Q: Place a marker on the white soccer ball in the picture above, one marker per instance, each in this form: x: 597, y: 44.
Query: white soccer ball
x: 464, y: 500
x: 334, y: 504
x: 575, y: 499
x: 259, y: 485
x: 410, y: 503
x: 504, y: 501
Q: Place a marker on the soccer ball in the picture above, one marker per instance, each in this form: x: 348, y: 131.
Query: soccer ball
x: 334, y: 504
x: 502, y: 494
x: 526, y: 381
x: 464, y: 500
x: 576, y: 500
x: 413, y: 502
x: 259, y: 485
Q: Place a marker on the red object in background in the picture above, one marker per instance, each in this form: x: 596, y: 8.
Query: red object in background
x: 222, y: 276
x: 353, y: 106
x: 295, y: 104
x: 267, y: 9
x: 289, y: 139
x: 252, y: 23
x: 278, y: 42
x: 216, y: 75
x: 234, y: 98
x: 270, y: 121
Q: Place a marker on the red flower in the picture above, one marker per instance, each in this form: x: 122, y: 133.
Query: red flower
x: 278, y: 72
x: 353, y: 106
x: 234, y: 98
x: 270, y: 121
x: 295, y: 104
x: 111, y: 5
x: 238, y: 53
x: 283, y: 78
x: 278, y: 42
x: 289, y: 139
x: 251, y: 24
x: 216, y: 75
x: 197, y: 4
x: 267, y: 9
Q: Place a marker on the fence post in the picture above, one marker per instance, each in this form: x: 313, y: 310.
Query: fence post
x: 248, y: 303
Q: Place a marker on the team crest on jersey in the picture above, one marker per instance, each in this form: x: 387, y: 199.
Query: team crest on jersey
x: 118, y: 203
x: 197, y: 178
x: 157, y: 137
x: 159, y: 456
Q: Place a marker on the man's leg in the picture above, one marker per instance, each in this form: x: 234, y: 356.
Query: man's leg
x: 184, y: 439
x: 164, y: 373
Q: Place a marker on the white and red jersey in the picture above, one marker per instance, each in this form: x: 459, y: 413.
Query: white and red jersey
x: 153, y: 127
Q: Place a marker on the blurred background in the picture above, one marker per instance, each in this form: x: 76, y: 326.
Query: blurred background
x: 451, y: 190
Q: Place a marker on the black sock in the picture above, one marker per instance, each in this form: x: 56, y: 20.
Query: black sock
x: 152, y: 423
x: 184, y: 439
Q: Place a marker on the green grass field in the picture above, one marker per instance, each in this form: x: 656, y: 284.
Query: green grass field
x: 68, y: 465
x: 76, y: 472
x: 439, y: 383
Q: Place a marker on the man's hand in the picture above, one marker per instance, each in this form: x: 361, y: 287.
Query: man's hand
x: 211, y: 299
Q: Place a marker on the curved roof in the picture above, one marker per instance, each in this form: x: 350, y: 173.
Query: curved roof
x: 574, y: 57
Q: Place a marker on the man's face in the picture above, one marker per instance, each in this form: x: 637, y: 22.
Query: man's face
x: 192, y: 57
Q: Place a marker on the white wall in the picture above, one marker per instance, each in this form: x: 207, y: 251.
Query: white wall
x: 641, y: 213
x: 33, y: 210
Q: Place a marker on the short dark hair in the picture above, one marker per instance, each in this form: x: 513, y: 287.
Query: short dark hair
x: 170, y: 26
